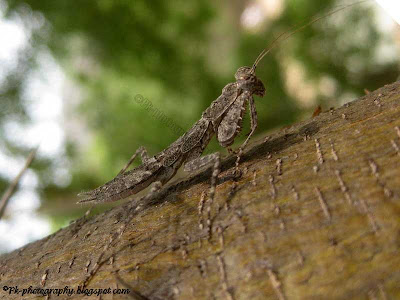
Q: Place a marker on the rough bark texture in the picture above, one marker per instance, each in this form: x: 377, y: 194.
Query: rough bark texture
x: 315, y: 215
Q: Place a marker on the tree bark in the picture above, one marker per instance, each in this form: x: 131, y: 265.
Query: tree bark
x: 315, y: 215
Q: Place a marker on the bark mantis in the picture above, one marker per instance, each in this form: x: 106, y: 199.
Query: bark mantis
x: 222, y: 118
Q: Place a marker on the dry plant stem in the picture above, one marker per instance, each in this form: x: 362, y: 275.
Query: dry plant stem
x: 13, y: 185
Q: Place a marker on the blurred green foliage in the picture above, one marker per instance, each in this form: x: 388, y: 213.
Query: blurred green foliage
x: 179, y: 55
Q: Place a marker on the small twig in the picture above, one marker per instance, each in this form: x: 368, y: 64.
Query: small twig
x: 11, y: 189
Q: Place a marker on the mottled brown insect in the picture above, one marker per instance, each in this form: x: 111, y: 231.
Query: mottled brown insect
x: 223, y: 119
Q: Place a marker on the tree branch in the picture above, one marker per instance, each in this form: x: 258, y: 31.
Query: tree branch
x: 315, y: 215
x: 11, y: 189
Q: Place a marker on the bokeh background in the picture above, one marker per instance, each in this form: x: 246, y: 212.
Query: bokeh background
x: 70, y: 71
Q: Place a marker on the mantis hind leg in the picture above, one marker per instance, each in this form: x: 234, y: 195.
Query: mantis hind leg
x: 143, y: 154
x: 154, y: 191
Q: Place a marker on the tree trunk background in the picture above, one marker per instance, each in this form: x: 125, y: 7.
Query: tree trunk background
x: 315, y: 215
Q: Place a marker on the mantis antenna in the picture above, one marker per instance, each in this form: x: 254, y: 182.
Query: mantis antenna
x: 285, y: 35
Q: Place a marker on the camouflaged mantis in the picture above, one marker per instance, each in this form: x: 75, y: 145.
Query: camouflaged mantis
x: 223, y: 119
